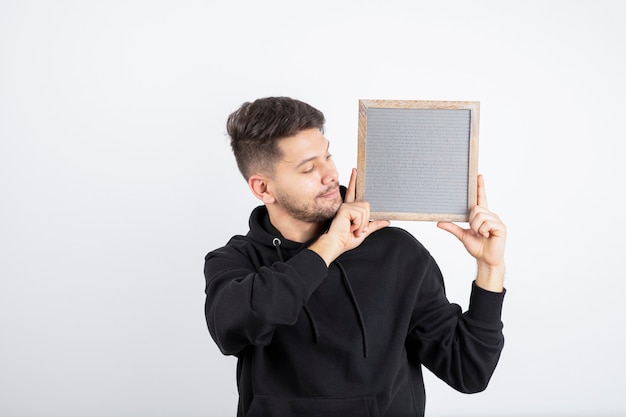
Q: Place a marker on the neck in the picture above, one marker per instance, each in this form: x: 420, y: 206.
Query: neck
x: 293, y: 229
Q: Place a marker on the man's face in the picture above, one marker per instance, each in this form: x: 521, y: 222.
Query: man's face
x: 305, y: 183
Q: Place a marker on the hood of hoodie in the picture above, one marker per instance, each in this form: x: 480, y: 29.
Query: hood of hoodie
x: 263, y: 232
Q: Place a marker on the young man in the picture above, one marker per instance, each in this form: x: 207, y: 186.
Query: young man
x: 328, y: 313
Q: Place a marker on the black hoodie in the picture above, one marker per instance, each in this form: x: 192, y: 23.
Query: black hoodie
x: 347, y: 340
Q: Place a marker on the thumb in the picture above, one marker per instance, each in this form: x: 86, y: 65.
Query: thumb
x: 377, y: 225
x: 452, y: 228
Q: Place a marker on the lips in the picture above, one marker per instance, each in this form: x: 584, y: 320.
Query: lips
x: 330, y: 193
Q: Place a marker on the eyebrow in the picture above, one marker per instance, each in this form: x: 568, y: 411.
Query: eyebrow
x: 307, y: 160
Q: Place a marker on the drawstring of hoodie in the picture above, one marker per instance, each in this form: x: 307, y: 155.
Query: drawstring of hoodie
x: 277, y: 242
x: 344, y: 277
x: 355, y: 304
x: 316, y: 334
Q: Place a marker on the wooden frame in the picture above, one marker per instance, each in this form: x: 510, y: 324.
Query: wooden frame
x: 418, y: 160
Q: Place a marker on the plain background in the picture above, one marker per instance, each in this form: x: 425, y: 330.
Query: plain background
x: 117, y: 178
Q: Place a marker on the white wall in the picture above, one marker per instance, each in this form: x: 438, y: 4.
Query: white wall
x: 117, y: 178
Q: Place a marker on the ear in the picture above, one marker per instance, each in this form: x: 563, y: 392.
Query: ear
x: 259, y: 186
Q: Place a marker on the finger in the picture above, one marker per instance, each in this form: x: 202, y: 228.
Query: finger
x: 453, y: 228
x: 376, y: 225
x: 351, y: 193
x: 486, y: 223
x: 356, y: 222
x: 358, y: 214
x: 479, y: 221
x: 492, y: 227
x: 365, y: 218
x: 482, y: 193
x: 485, y: 229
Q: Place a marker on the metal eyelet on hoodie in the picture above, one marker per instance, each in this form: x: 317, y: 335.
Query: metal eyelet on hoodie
x: 277, y: 242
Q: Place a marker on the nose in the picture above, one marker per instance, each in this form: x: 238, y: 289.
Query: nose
x: 329, y: 172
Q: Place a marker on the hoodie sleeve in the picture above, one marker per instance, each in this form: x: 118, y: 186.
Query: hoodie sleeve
x: 462, y: 349
x: 244, y: 305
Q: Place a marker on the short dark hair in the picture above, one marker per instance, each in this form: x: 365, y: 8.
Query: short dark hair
x: 255, y: 129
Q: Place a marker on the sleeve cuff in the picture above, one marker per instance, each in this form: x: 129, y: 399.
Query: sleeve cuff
x: 311, y: 268
x: 486, y: 306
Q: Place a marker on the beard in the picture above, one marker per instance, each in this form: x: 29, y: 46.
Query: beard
x: 315, y: 211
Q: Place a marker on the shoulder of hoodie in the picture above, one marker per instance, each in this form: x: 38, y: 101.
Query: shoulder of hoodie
x: 237, y: 243
x: 398, y: 237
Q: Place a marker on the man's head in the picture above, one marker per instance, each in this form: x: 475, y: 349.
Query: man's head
x: 281, y: 151
x: 256, y: 128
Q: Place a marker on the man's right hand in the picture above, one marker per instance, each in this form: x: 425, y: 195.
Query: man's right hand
x: 349, y: 228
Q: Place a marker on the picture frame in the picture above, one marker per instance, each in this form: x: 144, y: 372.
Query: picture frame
x: 418, y: 159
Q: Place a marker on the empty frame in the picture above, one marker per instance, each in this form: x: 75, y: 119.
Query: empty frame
x: 418, y: 160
